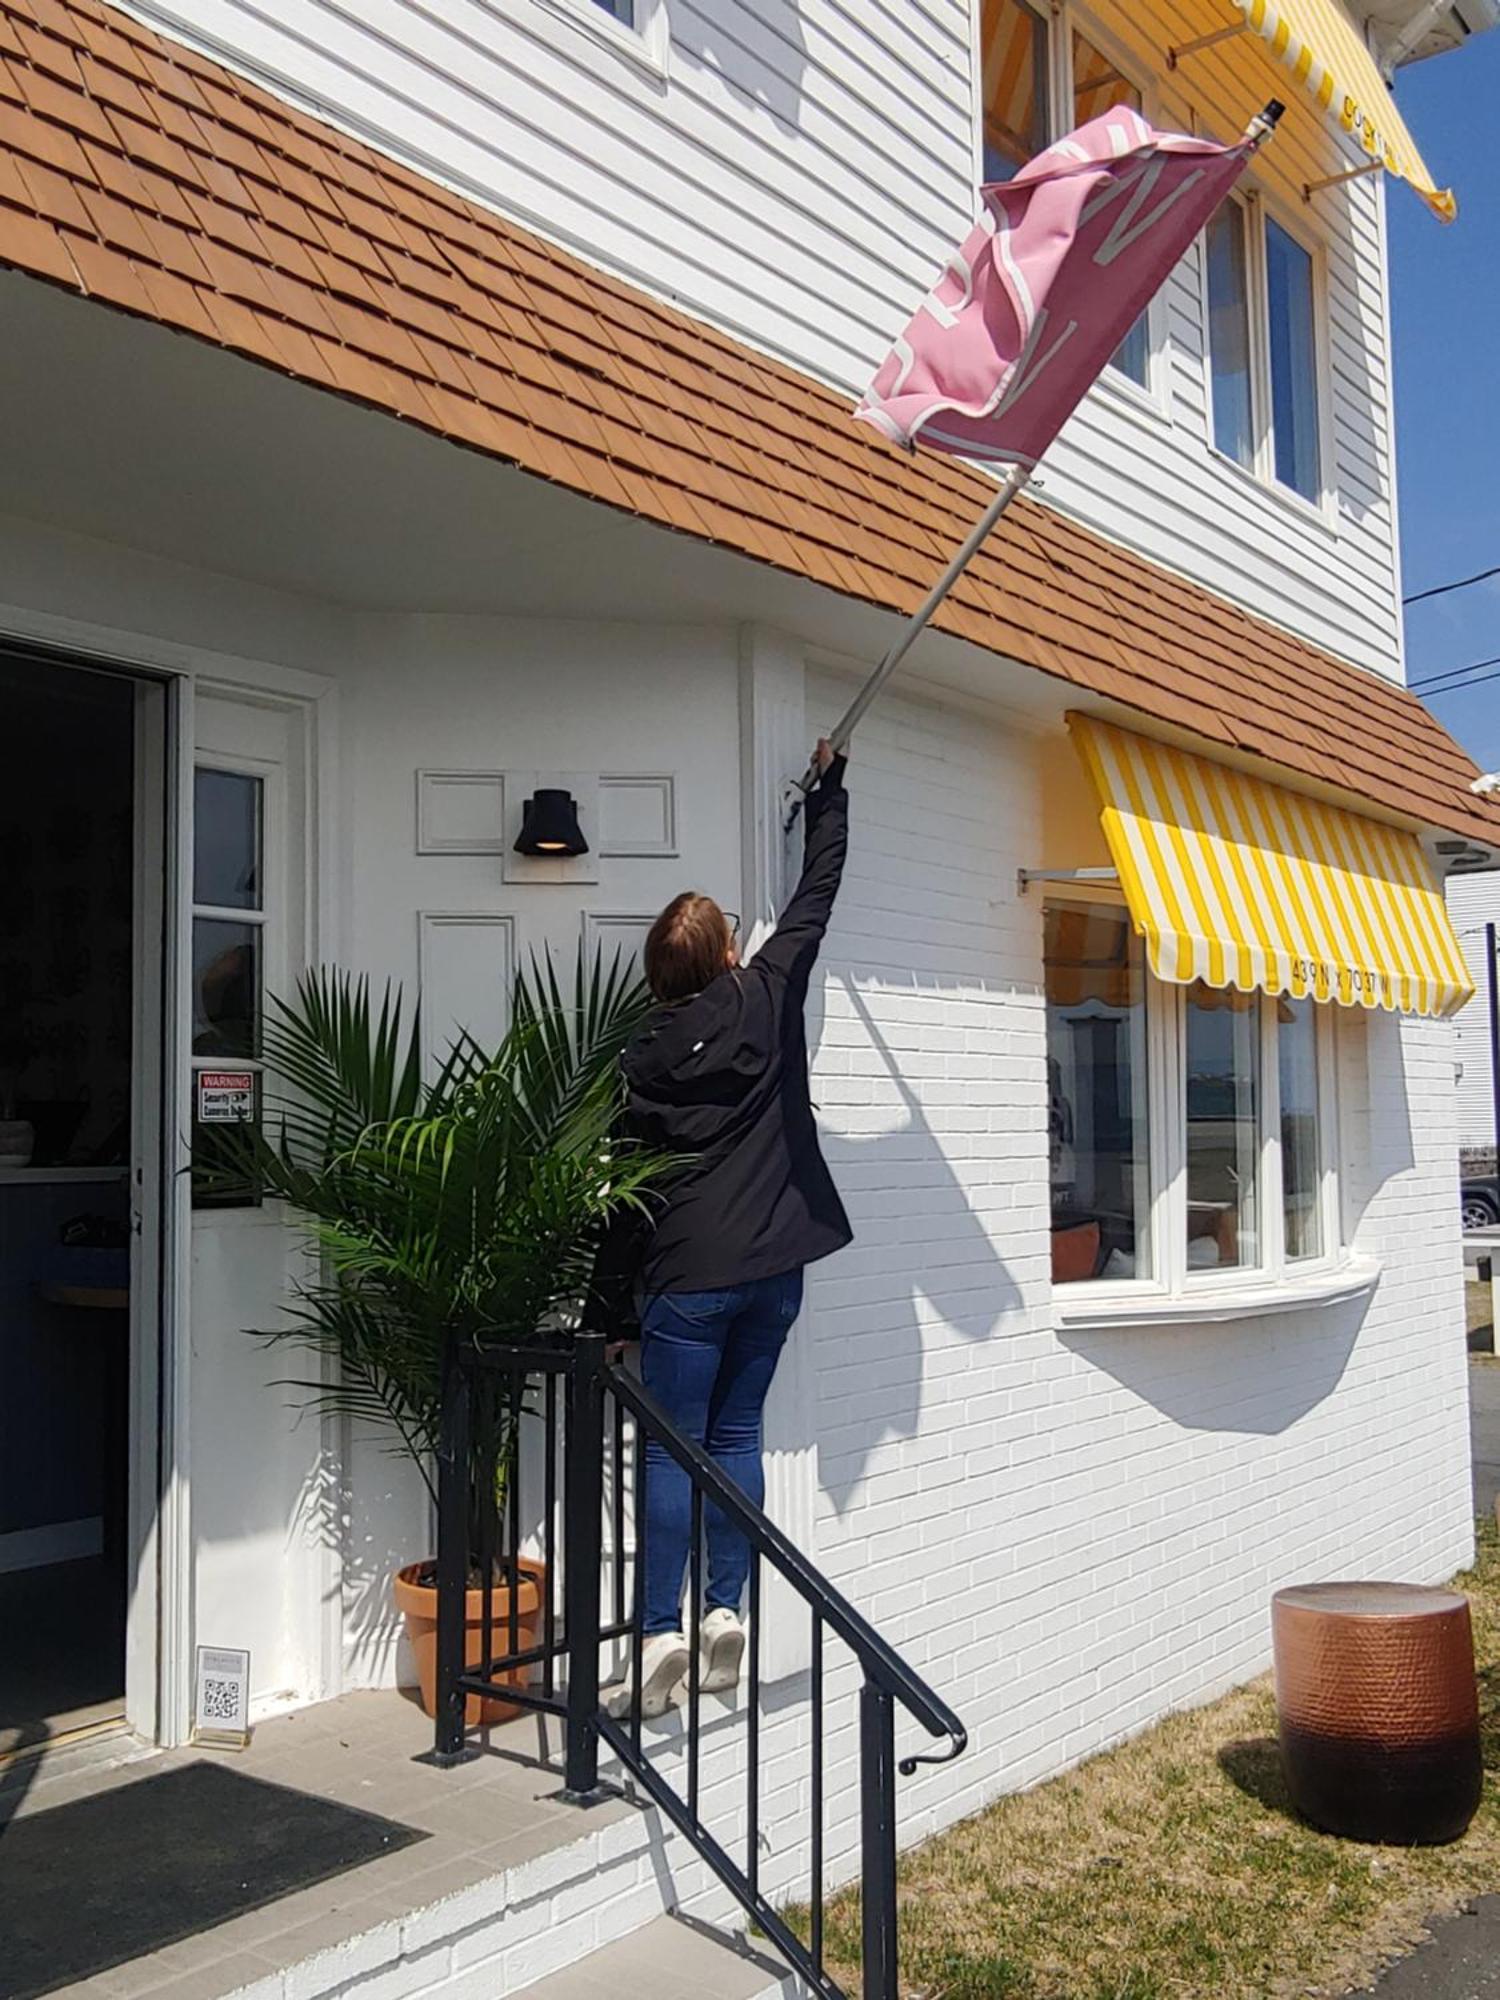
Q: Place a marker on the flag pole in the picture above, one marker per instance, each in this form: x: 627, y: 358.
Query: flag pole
x: 907, y: 637
x: 1260, y: 128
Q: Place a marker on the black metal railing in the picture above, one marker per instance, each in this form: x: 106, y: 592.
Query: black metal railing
x: 596, y: 1417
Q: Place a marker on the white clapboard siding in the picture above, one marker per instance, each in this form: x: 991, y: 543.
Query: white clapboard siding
x: 1474, y: 901
x: 797, y: 176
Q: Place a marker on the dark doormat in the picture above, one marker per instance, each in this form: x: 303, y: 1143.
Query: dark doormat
x: 110, y: 1878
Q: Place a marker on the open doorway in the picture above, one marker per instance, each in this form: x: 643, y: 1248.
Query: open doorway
x: 76, y: 984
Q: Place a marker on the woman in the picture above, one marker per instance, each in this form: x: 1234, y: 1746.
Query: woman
x: 718, y: 1073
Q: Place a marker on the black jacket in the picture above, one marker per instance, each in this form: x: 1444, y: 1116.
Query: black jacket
x: 722, y: 1078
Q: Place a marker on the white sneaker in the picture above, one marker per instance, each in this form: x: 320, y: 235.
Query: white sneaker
x: 721, y: 1650
x: 664, y: 1663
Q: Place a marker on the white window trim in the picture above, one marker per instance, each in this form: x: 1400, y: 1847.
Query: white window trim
x: 646, y: 42
x: 1173, y: 1294
x: 1321, y: 510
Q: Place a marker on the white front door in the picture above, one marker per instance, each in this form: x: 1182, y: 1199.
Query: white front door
x: 265, y: 1505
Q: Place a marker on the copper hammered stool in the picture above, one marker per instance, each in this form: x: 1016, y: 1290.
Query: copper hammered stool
x: 1378, y: 1709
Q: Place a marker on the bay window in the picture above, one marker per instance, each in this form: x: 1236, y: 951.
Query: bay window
x: 1263, y: 354
x: 1301, y: 1129
x: 1096, y: 1094
x: 1190, y: 1132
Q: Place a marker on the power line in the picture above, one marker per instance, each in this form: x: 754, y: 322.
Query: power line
x: 1453, y: 674
x: 1457, y: 687
x: 1461, y: 583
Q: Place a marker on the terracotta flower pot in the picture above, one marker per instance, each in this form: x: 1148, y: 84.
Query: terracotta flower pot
x: 417, y: 1602
x: 1075, y: 1252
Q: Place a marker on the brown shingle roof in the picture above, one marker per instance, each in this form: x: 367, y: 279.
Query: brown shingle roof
x: 138, y: 173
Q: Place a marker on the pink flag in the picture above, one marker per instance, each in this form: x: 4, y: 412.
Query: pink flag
x: 1050, y: 280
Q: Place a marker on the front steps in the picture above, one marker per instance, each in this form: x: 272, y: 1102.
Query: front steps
x: 670, y: 1960
x: 509, y: 1886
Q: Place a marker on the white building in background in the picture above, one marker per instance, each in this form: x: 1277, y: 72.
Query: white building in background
x: 1474, y: 902
x: 407, y: 404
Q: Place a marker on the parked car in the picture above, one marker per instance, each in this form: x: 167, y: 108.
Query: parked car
x: 1480, y: 1199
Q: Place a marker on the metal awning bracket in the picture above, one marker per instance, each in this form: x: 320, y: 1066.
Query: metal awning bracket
x: 1176, y: 53
x: 1310, y: 188
x: 1026, y: 876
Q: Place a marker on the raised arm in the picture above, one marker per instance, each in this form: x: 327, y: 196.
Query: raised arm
x: 793, y: 945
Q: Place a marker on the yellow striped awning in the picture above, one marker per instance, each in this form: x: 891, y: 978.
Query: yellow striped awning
x: 1243, y: 884
x: 1319, y: 43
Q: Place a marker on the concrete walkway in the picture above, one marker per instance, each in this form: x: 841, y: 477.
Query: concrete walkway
x: 1461, y: 1960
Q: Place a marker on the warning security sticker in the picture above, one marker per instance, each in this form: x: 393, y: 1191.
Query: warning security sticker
x: 226, y: 1096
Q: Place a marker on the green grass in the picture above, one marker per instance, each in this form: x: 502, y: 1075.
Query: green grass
x: 1173, y: 1868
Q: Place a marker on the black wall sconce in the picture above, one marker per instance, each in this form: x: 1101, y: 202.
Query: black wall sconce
x: 549, y: 826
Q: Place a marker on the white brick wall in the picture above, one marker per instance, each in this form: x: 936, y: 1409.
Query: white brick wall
x: 1070, y: 1534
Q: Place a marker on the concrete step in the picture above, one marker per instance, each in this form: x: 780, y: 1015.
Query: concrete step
x: 671, y: 1960
x: 507, y: 1886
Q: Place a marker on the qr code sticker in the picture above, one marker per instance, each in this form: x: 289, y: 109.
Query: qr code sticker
x: 221, y: 1700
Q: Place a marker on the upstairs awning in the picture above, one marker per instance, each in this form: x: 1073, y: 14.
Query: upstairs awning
x: 1319, y: 43
x: 1241, y: 883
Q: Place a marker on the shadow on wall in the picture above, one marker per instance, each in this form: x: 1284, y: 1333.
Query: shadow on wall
x: 1252, y: 1378
x: 955, y: 1274
x: 1375, y: 1112
x: 760, y: 55
x: 366, y: 1505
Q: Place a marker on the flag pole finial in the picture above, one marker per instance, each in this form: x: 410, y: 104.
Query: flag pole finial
x: 1265, y: 121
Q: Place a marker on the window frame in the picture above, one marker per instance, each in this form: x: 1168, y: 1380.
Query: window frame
x: 1258, y: 210
x: 1172, y: 1283
x: 645, y: 40
x: 1062, y: 22
x: 265, y: 919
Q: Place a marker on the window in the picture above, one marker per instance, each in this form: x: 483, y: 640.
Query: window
x: 1223, y: 1129
x: 1229, y: 334
x: 1294, y: 361
x: 638, y: 30
x: 1263, y: 348
x: 1016, y: 89
x: 1096, y: 1093
x: 1189, y: 1134
x: 1041, y: 77
x: 1097, y: 87
x: 1301, y: 1129
x: 228, y: 957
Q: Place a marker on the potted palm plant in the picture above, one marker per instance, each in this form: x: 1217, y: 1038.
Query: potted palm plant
x: 468, y: 1206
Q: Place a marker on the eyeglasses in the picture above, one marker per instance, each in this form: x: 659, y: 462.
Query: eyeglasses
x: 732, y: 918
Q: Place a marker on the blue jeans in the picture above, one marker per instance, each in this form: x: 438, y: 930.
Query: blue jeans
x: 708, y: 1359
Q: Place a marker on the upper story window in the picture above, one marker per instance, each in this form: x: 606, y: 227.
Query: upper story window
x: 1261, y: 287
x: 635, y: 29
x: 1293, y: 341
x: 1191, y: 1128
x: 1040, y: 77
x: 1016, y: 89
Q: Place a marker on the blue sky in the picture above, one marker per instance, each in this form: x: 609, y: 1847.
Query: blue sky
x: 1446, y: 302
